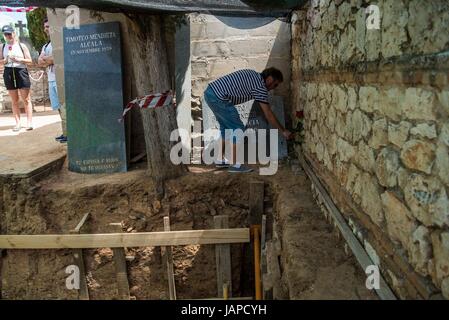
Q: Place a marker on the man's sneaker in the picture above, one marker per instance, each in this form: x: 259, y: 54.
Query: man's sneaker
x: 17, y: 128
x: 59, y: 137
x: 239, y: 169
x: 63, y: 139
x: 221, y: 164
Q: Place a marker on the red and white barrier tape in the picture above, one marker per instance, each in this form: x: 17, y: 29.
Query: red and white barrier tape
x: 18, y: 9
x: 149, y: 101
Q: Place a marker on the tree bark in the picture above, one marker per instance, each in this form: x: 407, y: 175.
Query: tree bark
x: 151, y: 71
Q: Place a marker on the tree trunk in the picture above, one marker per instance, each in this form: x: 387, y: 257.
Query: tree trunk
x: 151, y: 71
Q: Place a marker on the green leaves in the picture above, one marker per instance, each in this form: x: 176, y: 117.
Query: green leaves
x: 36, y: 28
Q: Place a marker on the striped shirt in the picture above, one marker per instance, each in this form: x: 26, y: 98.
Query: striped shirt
x: 241, y: 86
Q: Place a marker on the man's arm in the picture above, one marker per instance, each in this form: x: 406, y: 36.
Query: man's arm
x: 49, y: 60
x: 271, y: 118
x: 40, y: 60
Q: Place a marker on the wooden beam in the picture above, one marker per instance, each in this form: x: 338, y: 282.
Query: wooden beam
x: 80, y: 224
x: 362, y: 257
x: 169, y: 262
x: 120, y: 267
x: 256, y: 195
x: 223, y: 259
x: 121, y: 240
x: 78, y: 259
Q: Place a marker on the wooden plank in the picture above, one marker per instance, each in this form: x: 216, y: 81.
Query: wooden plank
x: 139, y: 157
x: 362, y: 257
x: 80, y: 224
x: 223, y: 259
x: 256, y: 203
x: 169, y: 261
x: 262, y: 235
x: 120, y: 267
x: 121, y: 240
x: 78, y: 260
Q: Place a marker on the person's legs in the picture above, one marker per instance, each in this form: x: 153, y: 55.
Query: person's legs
x: 228, y: 118
x: 55, y: 105
x: 26, y: 97
x: 14, y: 94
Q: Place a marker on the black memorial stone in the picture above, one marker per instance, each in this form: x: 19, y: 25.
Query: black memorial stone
x: 94, y: 98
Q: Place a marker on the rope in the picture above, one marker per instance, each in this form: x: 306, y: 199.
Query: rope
x: 40, y: 76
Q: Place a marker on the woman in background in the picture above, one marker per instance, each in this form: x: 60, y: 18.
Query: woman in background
x: 15, y: 56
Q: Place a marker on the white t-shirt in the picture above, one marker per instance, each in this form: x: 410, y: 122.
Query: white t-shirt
x: 48, y: 51
x: 13, y: 51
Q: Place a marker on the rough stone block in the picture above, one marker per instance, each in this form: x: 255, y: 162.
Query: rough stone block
x: 420, y: 251
x: 442, y: 163
x: 398, y: 133
x: 427, y: 199
x: 371, y: 202
x: 418, y: 155
x: 345, y: 151
x: 359, y: 127
x: 352, y: 98
x: 347, y: 45
x: 364, y: 157
x: 390, y: 103
x: 360, y: 33
x: 424, y: 130
x: 395, y: 18
x: 372, y: 44
x: 444, y: 135
x: 443, y: 98
x: 369, y: 99
x: 419, y: 104
x: 343, y: 15
x: 440, y: 243
x: 425, y: 38
x: 340, y: 99
x: 387, y: 165
x: 379, y: 137
x: 400, y: 222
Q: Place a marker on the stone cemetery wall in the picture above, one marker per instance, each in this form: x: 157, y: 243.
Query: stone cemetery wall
x: 39, y: 90
x: 376, y: 109
x: 221, y: 45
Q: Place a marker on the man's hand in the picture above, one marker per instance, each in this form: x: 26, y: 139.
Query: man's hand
x: 287, y: 134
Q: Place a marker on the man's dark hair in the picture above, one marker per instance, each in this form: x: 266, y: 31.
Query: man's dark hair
x: 274, y: 73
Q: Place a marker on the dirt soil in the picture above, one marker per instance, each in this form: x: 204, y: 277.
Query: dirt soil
x: 57, y: 204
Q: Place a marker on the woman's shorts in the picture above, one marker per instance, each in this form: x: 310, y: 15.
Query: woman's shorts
x: 16, y: 78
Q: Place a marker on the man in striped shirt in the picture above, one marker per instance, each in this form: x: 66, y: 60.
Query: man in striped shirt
x: 238, y: 87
